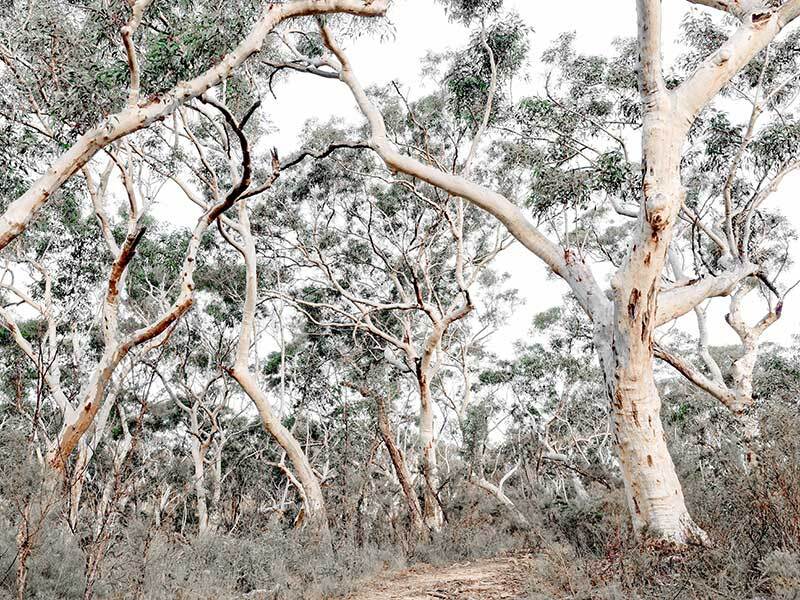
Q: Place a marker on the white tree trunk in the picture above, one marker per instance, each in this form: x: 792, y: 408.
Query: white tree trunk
x: 624, y: 332
x: 500, y: 495
x: 241, y: 372
x: 200, y: 487
x: 653, y: 491
x: 431, y: 511
x: 315, y: 502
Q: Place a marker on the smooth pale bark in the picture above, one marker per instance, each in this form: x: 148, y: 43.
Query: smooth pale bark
x: 77, y: 421
x: 142, y: 114
x: 680, y: 300
x: 431, y: 511
x: 500, y: 495
x: 425, y: 370
x: 749, y: 336
x: 241, y: 372
x: 199, y: 445
x: 738, y: 8
x: 315, y: 501
x: 624, y: 328
x: 306, y: 481
x: 653, y: 491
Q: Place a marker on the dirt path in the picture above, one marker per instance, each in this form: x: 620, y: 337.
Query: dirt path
x: 491, y: 579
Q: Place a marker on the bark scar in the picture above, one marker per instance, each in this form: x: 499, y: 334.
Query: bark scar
x: 633, y: 303
x: 760, y: 19
x: 657, y: 207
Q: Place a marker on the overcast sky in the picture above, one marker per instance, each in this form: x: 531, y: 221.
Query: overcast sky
x: 421, y: 26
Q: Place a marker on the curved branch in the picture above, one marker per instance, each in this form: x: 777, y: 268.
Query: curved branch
x: 21, y: 211
x: 562, y: 262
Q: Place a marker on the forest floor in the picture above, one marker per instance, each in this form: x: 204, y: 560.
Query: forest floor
x: 488, y: 579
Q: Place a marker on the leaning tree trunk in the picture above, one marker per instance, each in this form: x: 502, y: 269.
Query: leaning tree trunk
x: 653, y: 491
x: 315, y: 501
x: 242, y: 373
x: 400, y: 468
x: 497, y: 492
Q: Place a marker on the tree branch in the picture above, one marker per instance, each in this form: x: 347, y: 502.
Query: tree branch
x: 651, y: 78
x: 738, y: 8
x: 685, y: 368
x: 678, y: 301
x: 714, y: 73
x: 21, y: 211
x: 561, y: 261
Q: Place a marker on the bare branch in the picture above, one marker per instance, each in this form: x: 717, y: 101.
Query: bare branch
x: 738, y: 8
x: 678, y: 301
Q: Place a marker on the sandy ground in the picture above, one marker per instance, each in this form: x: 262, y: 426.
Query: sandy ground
x: 491, y: 579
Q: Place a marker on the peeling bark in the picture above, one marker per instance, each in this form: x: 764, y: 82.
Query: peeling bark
x: 624, y: 327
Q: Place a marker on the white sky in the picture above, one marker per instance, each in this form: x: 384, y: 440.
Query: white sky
x: 421, y: 26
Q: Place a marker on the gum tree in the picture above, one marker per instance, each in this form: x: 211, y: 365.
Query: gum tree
x: 393, y: 266
x: 150, y: 55
x: 624, y: 317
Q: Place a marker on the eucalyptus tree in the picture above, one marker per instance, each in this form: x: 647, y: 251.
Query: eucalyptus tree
x: 51, y: 53
x: 223, y: 170
x: 148, y: 59
x: 371, y: 391
x: 308, y: 485
x: 393, y: 263
x: 560, y: 428
x: 736, y: 164
x: 147, y: 321
x: 53, y: 50
x: 625, y: 317
x: 198, y: 391
x: 731, y: 170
